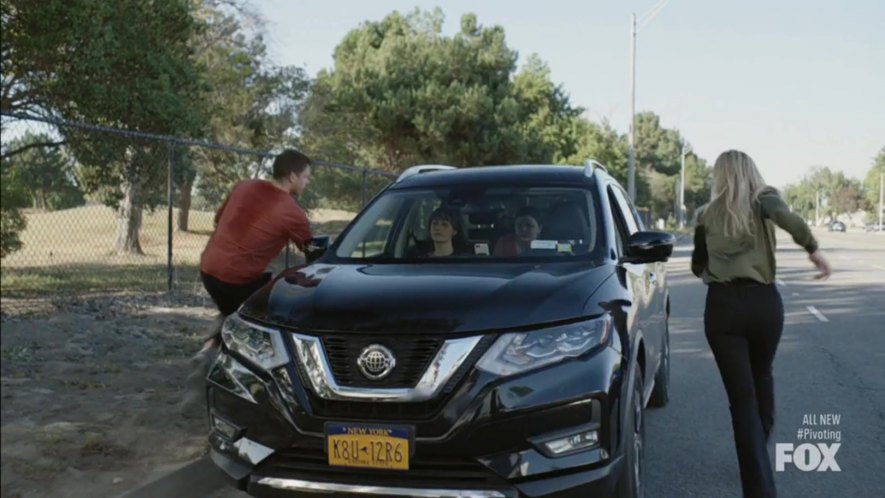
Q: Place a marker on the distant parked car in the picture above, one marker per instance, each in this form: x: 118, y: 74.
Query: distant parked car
x: 837, y: 226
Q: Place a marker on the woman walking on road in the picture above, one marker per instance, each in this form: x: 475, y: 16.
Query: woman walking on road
x: 744, y: 316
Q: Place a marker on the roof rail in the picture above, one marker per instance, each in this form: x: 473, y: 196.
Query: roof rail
x: 422, y: 168
x: 592, y: 164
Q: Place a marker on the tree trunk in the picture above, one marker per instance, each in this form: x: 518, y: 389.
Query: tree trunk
x: 129, y: 219
x: 184, y: 205
x: 40, y: 200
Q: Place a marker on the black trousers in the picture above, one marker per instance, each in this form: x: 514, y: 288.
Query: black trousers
x: 743, y: 324
x: 228, y: 297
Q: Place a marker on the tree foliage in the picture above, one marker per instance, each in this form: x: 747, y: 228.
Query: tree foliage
x: 12, y: 198
x: 402, y: 93
x: 698, y: 179
x: 45, y: 174
x: 871, y: 181
x: 124, y: 64
x: 826, y: 193
x: 657, y: 148
x: 600, y: 142
x: 252, y: 103
x: 658, y: 167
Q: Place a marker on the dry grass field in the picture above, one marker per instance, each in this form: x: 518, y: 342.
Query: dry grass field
x: 69, y: 252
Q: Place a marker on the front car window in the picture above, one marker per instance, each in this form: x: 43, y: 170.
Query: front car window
x: 469, y: 222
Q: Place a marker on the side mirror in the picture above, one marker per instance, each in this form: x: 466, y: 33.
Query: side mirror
x: 316, y: 248
x: 649, y: 247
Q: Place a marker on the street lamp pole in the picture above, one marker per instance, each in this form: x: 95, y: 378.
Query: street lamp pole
x: 685, y: 150
x: 631, y: 161
x: 634, y: 30
x: 881, y: 195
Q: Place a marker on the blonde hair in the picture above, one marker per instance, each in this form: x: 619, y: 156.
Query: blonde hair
x: 735, y: 190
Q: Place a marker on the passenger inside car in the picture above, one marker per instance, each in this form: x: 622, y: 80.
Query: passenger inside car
x: 526, y: 229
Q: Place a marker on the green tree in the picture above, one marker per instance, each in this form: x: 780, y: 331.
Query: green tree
x: 546, y: 116
x: 252, y: 103
x: 600, y: 142
x: 847, y: 198
x: 125, y: 64
x: 12, y: 198
x: 823, y: 192
x: 801, y: 199
x: 698, y: 179
x: 401, y: 93
x: 46, y: 174
x: 871, y: 181
x: 658, y: 163
x: 657, y: 148
x: 662, y: 195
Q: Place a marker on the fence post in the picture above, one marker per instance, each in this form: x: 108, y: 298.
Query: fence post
x: 169, y: 191
x: 365, y: 186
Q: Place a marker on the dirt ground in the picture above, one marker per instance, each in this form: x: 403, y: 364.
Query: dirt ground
x: 90, y: 394
x: 91, y: 386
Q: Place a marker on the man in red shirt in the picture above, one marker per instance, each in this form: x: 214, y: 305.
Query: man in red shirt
x: 253, y: 225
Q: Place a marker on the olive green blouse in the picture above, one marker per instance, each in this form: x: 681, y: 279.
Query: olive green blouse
x: 718, y: 258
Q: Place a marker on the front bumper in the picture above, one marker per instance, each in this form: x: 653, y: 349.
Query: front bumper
x: 480, y: 441
x: 593, y: 482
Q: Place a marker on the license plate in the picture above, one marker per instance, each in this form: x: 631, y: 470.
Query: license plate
x: 368, y: 446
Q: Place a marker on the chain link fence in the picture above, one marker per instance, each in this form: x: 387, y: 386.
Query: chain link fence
x: 75, y: 226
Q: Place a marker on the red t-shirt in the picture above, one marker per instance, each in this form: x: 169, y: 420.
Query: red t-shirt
x: 251, y: 228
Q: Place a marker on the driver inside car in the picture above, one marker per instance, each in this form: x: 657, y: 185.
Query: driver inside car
x: 445, y: 225
x: 526, y: 229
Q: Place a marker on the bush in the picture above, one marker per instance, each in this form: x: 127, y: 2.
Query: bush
x: 11, y: 224
x: 11, y: 220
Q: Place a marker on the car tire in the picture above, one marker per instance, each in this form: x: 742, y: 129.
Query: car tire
x: 631, y: 482
x: 660, y: 395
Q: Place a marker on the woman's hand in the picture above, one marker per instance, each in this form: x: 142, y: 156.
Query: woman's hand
x: 820, y: 262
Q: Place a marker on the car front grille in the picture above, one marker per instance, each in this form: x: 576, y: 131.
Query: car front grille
x: 413, y: 355
x: 352, y: 409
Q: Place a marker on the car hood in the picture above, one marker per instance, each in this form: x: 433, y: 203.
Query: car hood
x: 426, y: 298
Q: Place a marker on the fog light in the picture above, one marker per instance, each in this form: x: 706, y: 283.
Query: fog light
x: 226, y: 429
x: 575, y: 442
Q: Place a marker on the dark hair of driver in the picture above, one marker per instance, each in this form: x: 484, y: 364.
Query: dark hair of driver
x: 448, y: 214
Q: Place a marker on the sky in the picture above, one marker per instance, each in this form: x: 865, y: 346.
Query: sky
x: 793, y: 83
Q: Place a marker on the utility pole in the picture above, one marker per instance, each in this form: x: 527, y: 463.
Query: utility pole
x: 635, y: 28
x: 685, y: 150
x: 631, y: 158
x: 881, y: 195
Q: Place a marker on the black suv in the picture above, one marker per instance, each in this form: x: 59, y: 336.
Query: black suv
x: 517, y: 363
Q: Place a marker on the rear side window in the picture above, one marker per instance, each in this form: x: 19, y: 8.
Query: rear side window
x: 630, y: 216
x: 621, y: 230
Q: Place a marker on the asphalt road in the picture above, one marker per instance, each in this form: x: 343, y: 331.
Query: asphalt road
x: 831, y: 360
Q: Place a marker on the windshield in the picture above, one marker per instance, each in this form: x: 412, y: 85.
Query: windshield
x: 495, y: 223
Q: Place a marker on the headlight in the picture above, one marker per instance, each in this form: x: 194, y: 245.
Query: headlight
x: 262, y: 346
x: 520, y: 352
